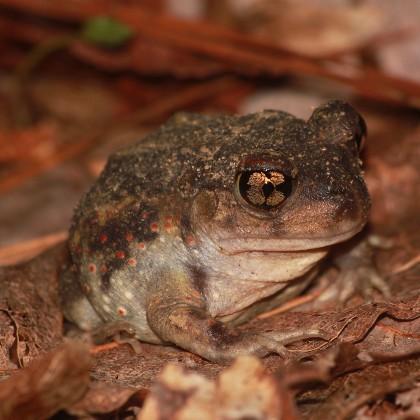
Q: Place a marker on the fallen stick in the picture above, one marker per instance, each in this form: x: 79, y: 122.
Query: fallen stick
x: 23, y: 251
x: 247, y: 55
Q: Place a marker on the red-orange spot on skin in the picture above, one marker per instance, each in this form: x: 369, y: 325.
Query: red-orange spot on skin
x: 120, y: 255
x: 129, y: 236
x: 145, y: 215
x: 92, y: 268
x: 132, y: 262
x: 190, y: 240
x: 122, y: 311
x: 86, y: 288
x: 169, y: 223
x: 154, y: 227
x: 103, y: 269
x: 103, y: 238
x: 141, y: 245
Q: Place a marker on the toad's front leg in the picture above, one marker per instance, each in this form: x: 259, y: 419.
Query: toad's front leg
x: 185, y: 323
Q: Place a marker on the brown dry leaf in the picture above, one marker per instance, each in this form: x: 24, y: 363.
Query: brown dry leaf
x: 178, y: 394
x: 365, y: 325
x: 48, y: 385
x: 391, y: 339
x: 312, y: 29
x: 244, y: 390
x: 30, y: 314
x: 368, y: 385
x: 410, y: 400
x: 353, y: 325
x: 103, y: 398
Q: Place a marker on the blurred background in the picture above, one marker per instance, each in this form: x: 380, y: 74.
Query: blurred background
x: 80, y: 79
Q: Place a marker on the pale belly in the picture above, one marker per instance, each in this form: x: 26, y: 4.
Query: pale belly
x: 237, y: 281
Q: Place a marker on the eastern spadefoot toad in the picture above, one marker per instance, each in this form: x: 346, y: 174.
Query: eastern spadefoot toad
x: 211, y: 220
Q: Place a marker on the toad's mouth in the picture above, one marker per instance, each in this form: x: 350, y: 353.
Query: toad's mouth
x: 232, y: 245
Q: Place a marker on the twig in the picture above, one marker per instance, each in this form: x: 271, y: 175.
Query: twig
x: 406, y: 266
x: 65, y: 153
x: 301, y: 300
x: 104, y: 347
x: 243, y: 53
x: 13, y: 254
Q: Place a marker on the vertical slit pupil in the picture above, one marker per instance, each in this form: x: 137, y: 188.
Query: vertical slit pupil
x: 267, y: 189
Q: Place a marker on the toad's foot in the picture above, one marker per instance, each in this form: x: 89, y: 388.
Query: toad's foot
x: 359, y: 274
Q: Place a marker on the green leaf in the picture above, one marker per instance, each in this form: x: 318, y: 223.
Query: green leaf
x: 106, y: 32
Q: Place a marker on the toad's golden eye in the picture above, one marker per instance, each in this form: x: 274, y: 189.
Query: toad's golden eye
x: 264, y: 189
